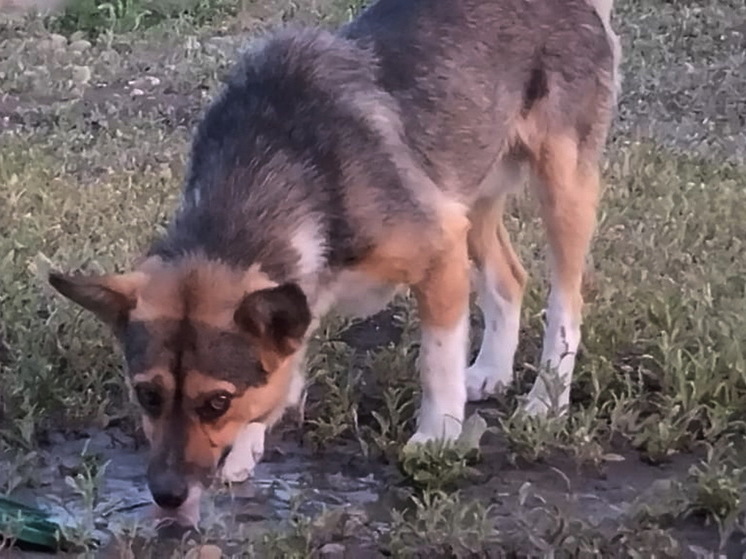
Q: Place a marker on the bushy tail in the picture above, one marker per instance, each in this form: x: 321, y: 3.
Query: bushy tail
x: 603, y: 9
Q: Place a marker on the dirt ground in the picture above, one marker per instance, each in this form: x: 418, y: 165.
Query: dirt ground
x: 350, y: 497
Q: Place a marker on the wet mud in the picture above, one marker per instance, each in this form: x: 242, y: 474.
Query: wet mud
x: 354, y: 495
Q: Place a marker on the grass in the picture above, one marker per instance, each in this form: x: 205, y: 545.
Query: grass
x: 94, y: 136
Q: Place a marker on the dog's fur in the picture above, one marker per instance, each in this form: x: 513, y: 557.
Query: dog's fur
x: 333, y: 169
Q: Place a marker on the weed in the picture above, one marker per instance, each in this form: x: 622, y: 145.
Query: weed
x: 717, y: 487
x: 86, y: 483
x: 334, y: 414
x: 532, y: 438
x: 442, y: 524
x: 112, y: 17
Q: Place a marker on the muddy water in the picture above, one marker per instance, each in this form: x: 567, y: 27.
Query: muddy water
x: 111, y: 492
x: 293, y: 479
x: 94, y: 483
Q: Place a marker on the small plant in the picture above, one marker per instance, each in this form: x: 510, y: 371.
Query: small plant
x: 717, y: 488
x: 532, y: 438
x: 443, y: 525
x: 334, y: 413
x: 86, y: 483
x: 113, y: 17
x: 439, y: 464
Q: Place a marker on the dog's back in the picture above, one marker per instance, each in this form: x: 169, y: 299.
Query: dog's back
x: 477, y: 79
x: 357, y: 131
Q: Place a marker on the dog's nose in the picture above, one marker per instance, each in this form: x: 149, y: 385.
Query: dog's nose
x: 169, y: 490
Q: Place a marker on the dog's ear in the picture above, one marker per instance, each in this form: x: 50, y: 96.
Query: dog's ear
x: 278, y: 317
x: 109, y: 297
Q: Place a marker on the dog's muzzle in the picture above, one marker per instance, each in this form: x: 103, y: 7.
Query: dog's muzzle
x: 169, y: 489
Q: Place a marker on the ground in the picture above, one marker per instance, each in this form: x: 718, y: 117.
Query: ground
x: 96, y: 110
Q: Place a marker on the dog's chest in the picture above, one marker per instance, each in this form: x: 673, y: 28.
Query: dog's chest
x: 352, y: 293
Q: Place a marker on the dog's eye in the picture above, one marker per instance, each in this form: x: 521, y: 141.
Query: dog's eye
x: 214, y: 406
x: 150, y: 399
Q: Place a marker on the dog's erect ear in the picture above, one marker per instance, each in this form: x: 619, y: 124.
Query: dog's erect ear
x: 109, y: 297
x: 277, y: 316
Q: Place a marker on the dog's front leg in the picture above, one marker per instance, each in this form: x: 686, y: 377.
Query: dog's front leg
x: 443, y: 303
x: 248, y: 448
x: 246, y: 453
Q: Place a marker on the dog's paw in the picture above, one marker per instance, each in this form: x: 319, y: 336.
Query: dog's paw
x: 246, y: 453
x: 419, y: 438
x: 448, y: 434
x: 482, y: 383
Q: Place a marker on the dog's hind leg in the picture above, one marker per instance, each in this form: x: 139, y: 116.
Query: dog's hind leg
x: 568, y: 189
x: 443, y: 304
x: 500, y: 281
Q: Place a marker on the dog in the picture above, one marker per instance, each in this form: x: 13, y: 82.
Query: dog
x: 338, y: 166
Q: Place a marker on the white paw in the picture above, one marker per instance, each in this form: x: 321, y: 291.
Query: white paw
x: 419, y: 438
x: 482, y: 382
x: 246, y: 453
x: 445, y: 429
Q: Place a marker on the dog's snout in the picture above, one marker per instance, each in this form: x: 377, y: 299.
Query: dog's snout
x: 168, y: 488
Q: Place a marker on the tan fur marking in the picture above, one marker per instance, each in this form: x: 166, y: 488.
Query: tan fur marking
x: 400, y: 259
x: 207, y: 441
x: 407, y: 253
x: 489, y: 242
x: 160, y: 377
x: 444, y: 292
x: 197, y: 384
x: 213, y: 290
x: 568, y: 194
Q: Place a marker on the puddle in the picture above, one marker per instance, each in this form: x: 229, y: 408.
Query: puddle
x: 293, y: 479
x: 96, y: 483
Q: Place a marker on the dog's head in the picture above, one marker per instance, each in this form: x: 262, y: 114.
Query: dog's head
x: 208, y: 349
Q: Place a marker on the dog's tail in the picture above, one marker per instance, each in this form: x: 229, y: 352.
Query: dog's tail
x: 603, y: 9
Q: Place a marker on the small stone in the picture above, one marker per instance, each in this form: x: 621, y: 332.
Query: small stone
x: 164, y: 172
x: 204, y: 552
x: 80, y: 46
x: 57, y: 41
x: 332, y: 551
x: 137, y: 92
x: 144, y: 82
x: 81, y: 75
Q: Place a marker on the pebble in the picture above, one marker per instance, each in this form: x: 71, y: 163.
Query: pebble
x: 332, y: 551
x: 81, y: 74
x: 57, y: 41
x: 80, y: 46
x: 204, y: 552
x: 145, y: 82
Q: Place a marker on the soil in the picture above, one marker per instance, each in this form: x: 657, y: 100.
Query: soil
x: 293, y: 479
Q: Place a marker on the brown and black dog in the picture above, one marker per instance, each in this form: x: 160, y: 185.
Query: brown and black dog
x: 336, y: 167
